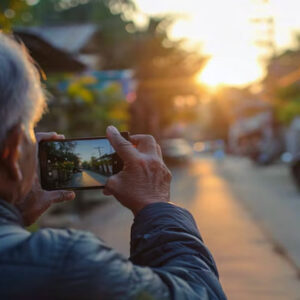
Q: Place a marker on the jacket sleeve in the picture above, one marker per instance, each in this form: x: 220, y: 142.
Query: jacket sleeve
x: 165, y: 238
x: 168, y: 261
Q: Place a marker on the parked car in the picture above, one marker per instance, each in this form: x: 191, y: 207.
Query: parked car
x: 176, y: 150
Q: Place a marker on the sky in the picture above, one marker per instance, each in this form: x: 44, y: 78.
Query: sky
x: 223, y: 30
x: 88, y: 148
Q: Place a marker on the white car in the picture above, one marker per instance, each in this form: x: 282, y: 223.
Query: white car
x: 176, y: 150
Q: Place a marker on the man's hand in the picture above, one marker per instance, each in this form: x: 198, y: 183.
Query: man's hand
x: 145, y: 179
x: 39, y: 200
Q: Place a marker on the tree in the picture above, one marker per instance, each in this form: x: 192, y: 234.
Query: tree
x: 287, y: 103
x: 282, y: 84
x: 164, y: 69
x: 12, y: 12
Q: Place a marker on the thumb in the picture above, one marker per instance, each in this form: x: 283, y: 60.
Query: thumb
x: 124, y: 148
x: 61, y: 196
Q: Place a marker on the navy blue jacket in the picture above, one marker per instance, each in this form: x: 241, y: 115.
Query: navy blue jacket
x: 168, y: 260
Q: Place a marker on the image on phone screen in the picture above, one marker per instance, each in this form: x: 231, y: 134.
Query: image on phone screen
x: 77, y: 164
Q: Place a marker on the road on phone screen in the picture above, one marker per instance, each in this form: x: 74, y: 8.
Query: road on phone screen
x: 87, y: 178
x: 243, y: 212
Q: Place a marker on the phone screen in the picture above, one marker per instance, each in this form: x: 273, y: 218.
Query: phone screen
x: 77, y: 163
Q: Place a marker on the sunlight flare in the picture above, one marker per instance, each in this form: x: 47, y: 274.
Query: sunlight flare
x: 228, y: 71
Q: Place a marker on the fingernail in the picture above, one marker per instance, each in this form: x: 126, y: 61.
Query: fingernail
x: 112, y: 129
x: 62, y: 136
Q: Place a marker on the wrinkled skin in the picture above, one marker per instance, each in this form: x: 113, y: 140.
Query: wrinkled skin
x: 19, y: 176
x: 37, y: 201
x: 144, y: 172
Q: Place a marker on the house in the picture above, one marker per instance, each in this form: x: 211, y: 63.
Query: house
x: 68, y: 48
x: 283, y: 70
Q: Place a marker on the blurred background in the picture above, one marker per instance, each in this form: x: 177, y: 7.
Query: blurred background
x: 218, y: 85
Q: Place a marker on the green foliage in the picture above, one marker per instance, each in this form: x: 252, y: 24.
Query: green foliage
x: 12, y: 12
x: 288, y: 93
x: 287, y: 103
x: 83, y: 111
x: 85, y: 165
x: 286, y: 112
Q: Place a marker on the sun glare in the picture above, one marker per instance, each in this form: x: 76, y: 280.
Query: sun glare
x: 225, y: 31
x: 228, y: 71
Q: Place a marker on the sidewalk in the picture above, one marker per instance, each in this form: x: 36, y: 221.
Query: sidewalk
x: 249, y: 268
x: 271, y: 197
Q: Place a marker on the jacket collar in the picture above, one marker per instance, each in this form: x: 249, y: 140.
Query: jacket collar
x: 9, y: 213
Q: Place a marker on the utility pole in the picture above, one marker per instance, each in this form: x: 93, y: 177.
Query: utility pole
x: 264, y: 23
x: 99, y: 150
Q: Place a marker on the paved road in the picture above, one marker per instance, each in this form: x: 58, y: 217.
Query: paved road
x: 271, y: 197
x: 87, y: 178
x: 248, y: 265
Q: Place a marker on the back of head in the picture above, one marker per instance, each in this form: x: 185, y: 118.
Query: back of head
x: 21, y: 95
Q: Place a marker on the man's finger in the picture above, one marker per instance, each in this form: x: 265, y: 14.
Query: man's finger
x: 144, y: 143
x: 124, y: 148
x: 41, y: 136
x: 61, y: 196
x: 158, y: 149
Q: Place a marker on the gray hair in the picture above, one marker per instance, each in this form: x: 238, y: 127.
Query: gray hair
x: 22, y: 98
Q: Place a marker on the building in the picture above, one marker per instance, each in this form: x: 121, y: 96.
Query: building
x: 68, y: 48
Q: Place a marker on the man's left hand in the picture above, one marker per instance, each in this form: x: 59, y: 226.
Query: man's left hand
x: 39, y: 200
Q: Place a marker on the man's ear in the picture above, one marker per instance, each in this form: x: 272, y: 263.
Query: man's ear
x: 11, y: 150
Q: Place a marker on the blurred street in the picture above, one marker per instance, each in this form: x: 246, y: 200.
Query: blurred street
x: 236, y: 206
x: 87, y: 178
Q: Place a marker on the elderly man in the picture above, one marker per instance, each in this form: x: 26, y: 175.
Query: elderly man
x: 168, y: 258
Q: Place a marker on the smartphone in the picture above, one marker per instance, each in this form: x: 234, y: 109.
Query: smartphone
x: 76, y: 164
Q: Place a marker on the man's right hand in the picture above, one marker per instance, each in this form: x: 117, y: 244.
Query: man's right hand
x: 145, y: 179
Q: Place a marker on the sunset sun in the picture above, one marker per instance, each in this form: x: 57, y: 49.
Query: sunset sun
x: 230, y: 71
